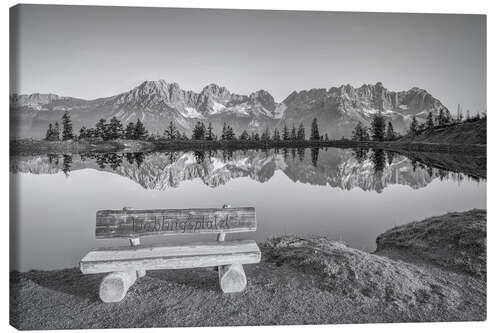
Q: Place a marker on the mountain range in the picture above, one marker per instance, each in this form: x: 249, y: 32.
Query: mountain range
x: 156, y: 103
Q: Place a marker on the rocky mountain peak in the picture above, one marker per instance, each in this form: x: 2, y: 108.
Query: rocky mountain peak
x: 159, y: 87
x: 290, y: 98
x: 345, y: 89
x: 216, y: 91
x: 263, y: 98
x: 158, y: 91
x: 32, y: 99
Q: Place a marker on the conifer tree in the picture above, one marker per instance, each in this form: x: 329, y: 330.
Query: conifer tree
x: 170, y: 132
x: 140, y: 132
x: 286, y: 133
x: 210, y: 134
x: 266, y: 136
x: 229, y: 133
x: 101, y: 130
x: 429, y: 124
x: 198, y: 131
x: 115, y: 129
x: 315, y: 131
x: 390, y: 135
x: 256, y: 137
x: 244, y: 136
x: 443, y: 117
x: 83, y: 133
x: 203, y: 130
x: 56, y: 132
x: 378, y: 127
x: 48, y: 134
x: 130, y: 131
x: 224, y: 130
x: 293, y: 133
x: 276, y: 135
x: 178, y: 135
x: 414, y: 126
x: 440, y: 118
x: 460, y: 116
x: 301, y: 133
x: 67, y: 132
x: 360, y: 133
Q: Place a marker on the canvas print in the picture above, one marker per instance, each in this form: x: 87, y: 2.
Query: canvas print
x: 215, y: 167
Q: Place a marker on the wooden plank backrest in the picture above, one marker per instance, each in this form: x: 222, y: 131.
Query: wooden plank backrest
x: 137, y: 223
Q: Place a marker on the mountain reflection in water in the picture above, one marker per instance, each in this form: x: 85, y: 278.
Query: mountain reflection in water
x: 329, y: 192
x: 370, y: 170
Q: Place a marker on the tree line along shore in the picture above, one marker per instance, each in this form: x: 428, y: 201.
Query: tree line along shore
x: 115, y: 130
x: 112, y: 135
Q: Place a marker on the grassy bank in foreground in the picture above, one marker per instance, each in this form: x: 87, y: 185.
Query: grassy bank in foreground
x: 432, y: 270
x: 29, y: 146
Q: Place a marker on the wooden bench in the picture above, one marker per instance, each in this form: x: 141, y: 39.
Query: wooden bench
x: 127, y: 263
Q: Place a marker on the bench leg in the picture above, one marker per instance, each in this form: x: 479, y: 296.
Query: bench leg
x: 115, y: 285
x: 136, y: 242
x: 232, y: 278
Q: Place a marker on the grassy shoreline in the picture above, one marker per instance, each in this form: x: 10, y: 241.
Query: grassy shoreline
x: 29, y: 146
x: 419, y: 272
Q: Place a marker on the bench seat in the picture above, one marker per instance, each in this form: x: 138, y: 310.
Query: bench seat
x: 125, y: 264
x: 155, y: 257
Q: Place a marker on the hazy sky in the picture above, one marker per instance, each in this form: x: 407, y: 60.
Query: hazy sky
x: 92, y: 52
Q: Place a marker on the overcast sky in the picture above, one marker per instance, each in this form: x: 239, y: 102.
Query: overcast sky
x: 92, y: 52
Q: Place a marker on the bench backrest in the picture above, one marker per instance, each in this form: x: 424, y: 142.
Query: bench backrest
x: 137, y: 223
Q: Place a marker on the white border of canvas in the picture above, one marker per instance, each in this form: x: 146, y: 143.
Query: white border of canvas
x: 491, y: 8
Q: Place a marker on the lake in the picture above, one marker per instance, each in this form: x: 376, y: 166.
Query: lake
x: 344, y: 194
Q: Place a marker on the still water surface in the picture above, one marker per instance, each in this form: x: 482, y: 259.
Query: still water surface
x: 343, y: 194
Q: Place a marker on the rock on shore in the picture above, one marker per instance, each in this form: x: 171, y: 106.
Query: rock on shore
x: 433, y: 270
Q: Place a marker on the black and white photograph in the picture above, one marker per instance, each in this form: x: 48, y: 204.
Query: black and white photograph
x: 197, y: 167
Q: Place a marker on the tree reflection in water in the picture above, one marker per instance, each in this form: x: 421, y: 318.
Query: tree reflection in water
x: 227, y: 155
x: 199, y: 156
x: 113, y: 160
x: 67, y: 160
x: 314, y: 156
x: 360, y: 154
x: 390, y: 157
x: 377, y: 158
x: 301, y: 153
x: 411, y: 169
x: 53, y: 159
x: 285, y: 153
